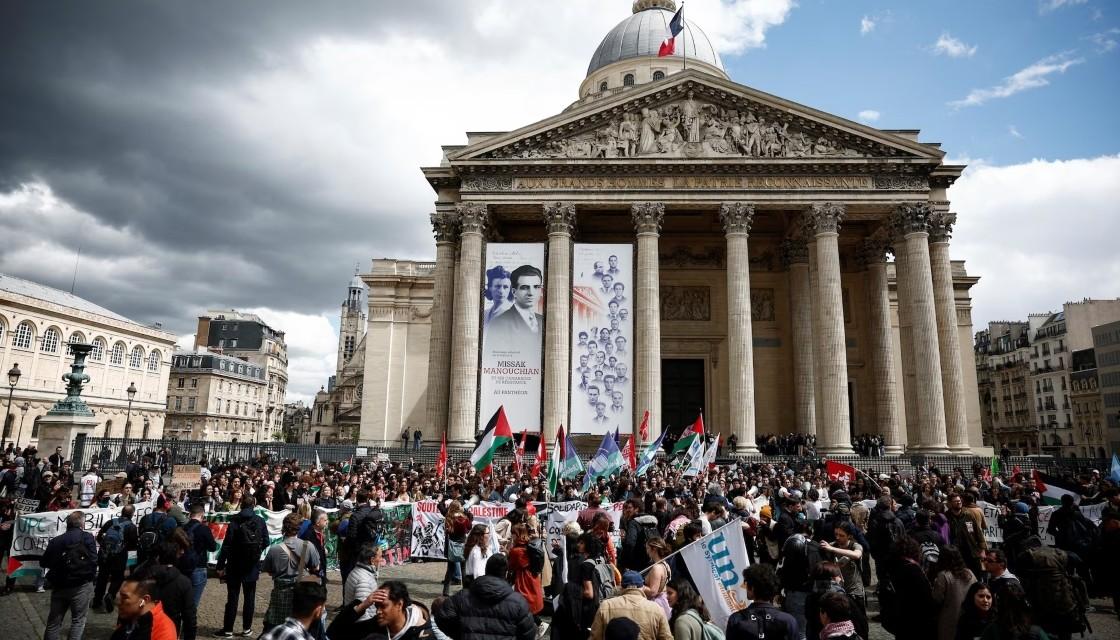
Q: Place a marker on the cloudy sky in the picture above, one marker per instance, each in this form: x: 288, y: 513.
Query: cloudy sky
x: 215, y: 154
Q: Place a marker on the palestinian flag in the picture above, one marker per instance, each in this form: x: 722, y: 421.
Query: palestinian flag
x: 685, y: 443
x: 1052, y: 489
x: 542, y: 456
x: 496, y: 435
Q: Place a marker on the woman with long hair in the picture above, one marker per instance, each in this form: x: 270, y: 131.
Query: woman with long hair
x: 476, y: 549
x: 910, y: 613
x: 977, y: 612
x: 524, y: 581
x: 456, y: 525
x: 1014, y: 619
x: 950, y: 580
x: 688, y: 613
x: 659, y: 575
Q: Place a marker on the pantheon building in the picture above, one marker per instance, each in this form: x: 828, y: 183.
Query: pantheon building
x: 674, y: 242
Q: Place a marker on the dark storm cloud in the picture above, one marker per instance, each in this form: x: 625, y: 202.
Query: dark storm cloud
x: 101, y: 101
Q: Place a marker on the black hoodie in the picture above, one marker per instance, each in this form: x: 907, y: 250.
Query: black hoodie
x: 175, y: 592
x: 488, y: 610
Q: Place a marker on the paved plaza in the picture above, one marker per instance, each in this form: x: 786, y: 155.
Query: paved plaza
x: 25, y: 612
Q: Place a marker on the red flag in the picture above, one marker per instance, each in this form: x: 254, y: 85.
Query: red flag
x: 542, y: 456
x: 629, y: 454
x: 643, y: 431
x: 1015, y: 471
x: 840, y: 472
x: 441, y: 461
x: 676, y: 25
x: 519, y: 454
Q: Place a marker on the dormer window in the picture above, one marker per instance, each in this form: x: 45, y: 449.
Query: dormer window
x: 628, y: 80
x: 602, y: 86
x: 658, y: 75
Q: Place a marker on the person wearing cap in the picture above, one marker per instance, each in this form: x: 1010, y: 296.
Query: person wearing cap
x: 631, y: 603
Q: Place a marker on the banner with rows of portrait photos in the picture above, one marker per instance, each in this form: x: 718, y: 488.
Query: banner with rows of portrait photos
x: 602, y: 390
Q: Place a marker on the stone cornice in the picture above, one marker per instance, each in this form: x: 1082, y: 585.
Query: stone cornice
x: 33, y: 306
x: 736, y: 217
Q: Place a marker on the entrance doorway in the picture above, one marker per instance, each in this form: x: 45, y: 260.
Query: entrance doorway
x: 682, y: 392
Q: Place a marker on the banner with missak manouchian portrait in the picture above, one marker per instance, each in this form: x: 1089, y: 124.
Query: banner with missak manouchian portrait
x: 512, y: 334
x: 602, y: 338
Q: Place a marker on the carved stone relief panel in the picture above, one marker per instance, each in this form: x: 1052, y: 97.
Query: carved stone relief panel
x: 682, y: 257
x: 762, y: 305
x: 686, y: 303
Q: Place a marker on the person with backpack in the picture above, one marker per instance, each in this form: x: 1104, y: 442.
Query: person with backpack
x: 71, y: 562
x: 172, y: 588
x: 637, y: 529
x: 287, y: 563
x: 239, y: 565
x: 1053, y: 587
x: 116, y: 538
x: 631, y: 603
x: 525, y: 566
x: 488, y: 609
x: 1072, y: 531
x: 762, y: 619
x: 155, y: 528
x: 883, y: 531
x: 202, y: 545
x: 799, y: 556
x: 688, y: 616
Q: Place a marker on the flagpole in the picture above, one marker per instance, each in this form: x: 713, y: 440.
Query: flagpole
x: 684, y: 45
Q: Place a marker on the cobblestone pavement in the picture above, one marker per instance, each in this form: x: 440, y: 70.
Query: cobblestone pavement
x: 24, y: 613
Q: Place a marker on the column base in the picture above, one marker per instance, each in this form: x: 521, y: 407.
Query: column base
x: 960, y: 450
x: 893, y: 450
x: 942, y: 450
x: 745, y: 451
x: 836, y: 451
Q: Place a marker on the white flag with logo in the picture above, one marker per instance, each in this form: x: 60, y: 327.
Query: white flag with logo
x: 716, y: 563
x: 696, y: 459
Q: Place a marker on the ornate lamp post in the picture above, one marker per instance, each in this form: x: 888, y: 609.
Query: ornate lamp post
x: 22, y: 413
x: 13, y: 378
x: 131, y: 391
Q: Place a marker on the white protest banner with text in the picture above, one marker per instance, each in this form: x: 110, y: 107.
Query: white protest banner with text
x: 716, y: 563
x: 33, y: 532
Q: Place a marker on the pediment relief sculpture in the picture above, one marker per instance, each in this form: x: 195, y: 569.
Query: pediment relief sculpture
x: 689, y: 128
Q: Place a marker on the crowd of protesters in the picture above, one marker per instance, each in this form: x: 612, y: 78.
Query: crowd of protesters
x: 917, y: 560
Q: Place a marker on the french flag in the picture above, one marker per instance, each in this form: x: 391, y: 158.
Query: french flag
x: 676, y: 25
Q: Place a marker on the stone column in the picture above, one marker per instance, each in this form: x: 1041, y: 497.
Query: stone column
x: 814, y: 316
x: 647, y: 218
x: 737, y: 218
x: 948, y: 340
x: 445, y: 226
x: 795, y: 255
x: 906, y: 341
x: 913, y: 221
x: 468, y: 300
x: 880, y: 332
x: 833, y: 432
x: 560, y: 218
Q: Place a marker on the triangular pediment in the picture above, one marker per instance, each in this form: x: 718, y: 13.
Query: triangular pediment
x: 694, y: 116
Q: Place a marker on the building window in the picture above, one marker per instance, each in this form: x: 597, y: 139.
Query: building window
x: 75, y: 338
x: 628, y: 80
x: 190, y: 404
x: 24, y: 335
x: 137, y: 358
x: 178, y: 404
x: 116, y: 356
x: 98, y: 352
x: 602, y: 86
x: 50, y: 341
x: 108, y: 428
x: 146, y: 426
x: 658, y: 75
x: 153, y: 361
x: 1, y: 332
x: 181, y: 383
x: 194, y: 383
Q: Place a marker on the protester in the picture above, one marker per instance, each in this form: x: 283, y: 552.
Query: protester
x: 316, y: 535
x: 687, y: 611
x: 521, y: 571
x: 631, y: 603
x: 397, y: 617
x: 977, y: 612
x: 836, y: 616
x: 287, y: 563
x: 154, y: 528
x: 71, y: 562
x: 1014, y: 619
x: 456, y: 527
x: 659, y: 574
x: 115, y: 539
x: 140, y: 616
x: 238, y: 565
x: 172, y: 589
x: 761, y: 618
x: 476, y: 551
x: 848, y: 555
x: 488, y: 608
x: 951, y: 581
x: 308, y: 602
x: 909, y: 613
x: 202, y: 545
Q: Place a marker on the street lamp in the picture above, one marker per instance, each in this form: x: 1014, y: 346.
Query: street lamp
x: 22, y: 412
x: 131, y: 391
x: 13, y: 378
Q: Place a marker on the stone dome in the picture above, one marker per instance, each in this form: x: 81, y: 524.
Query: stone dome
x: 641, y: 34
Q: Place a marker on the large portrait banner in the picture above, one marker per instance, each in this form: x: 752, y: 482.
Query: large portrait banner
x: 602, y: 338
x: 512, y: 333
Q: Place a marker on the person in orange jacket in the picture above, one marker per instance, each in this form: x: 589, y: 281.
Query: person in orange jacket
x: 140, y: 617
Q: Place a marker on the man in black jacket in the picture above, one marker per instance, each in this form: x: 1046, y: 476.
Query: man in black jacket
x: 71, y: 560
x: 172, y: 589
x: 202, y: 544
x: 239, y: 565
x: 489, y: 608
x: 111, y: 566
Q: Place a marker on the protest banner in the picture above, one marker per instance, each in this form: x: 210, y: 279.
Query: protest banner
x: 396, y: 532
x: 994, y: 533
x: 428, y: 535
x: 26, y: 505
x: 33, y: 531
x: 992, y: 530
x: 489, y: 513
x: 557, y: 514
x: 184, y: 477
x: 716, y: 563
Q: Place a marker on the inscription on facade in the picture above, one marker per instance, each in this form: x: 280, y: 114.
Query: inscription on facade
x: 686, y: 183
x: 686, y: 303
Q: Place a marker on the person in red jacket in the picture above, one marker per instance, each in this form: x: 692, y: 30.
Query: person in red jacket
x: 524, y: 581
x: 140, y: 617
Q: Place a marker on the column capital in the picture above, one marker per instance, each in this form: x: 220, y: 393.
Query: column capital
x: 873, y: 250
x: 473, y: 217
x: 559, y: 217
x: 911, y: 217
x: 794, y: 251
x: 736, y: 217
x: 941, y: 226
x: 824, y: 217
x: 445, y: 226
x: 648, y: 216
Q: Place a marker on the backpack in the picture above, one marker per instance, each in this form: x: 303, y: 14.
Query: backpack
x: 535, y: 551
x: 930, y: 554
x: 1081, y: 533
x: 765, y: 627
x: 602, y: 579
x: 1049, y: 587
x: 710, y: 631
x: 112, y: 542
x: 247, y: 539
x: 368, y: 528
x: 154, y: 530
x: 78, y: 564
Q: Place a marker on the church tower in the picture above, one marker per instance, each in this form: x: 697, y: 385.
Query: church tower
x: 352, y: 323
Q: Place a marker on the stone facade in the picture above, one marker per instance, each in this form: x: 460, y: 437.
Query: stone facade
x: 215, y: 396
x: 36, y: 323
x: 336, y: 413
